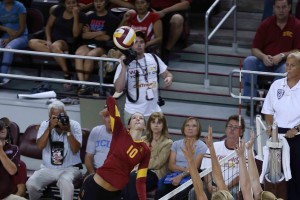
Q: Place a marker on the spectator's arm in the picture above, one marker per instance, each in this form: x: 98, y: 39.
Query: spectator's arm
x: 21, y: 190
x: 49, y: 26
x: 43, y: 140
x: 89, y: 163
x: 168, y: 78
x: 122, y: 3
x: 8, y: 165
x: 22, y: 26
x: 258, y: 53
x: 172, y: 163
x: 77, y: 26
x: 182, y: 5
x: 157, y: 28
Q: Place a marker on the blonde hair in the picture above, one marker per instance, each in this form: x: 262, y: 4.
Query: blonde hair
x: 222, y: 195
x: 266, y: 195
x: 295, y: 55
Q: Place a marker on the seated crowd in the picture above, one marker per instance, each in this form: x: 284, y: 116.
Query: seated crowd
x: 158, y: 164
x: 85, y: 28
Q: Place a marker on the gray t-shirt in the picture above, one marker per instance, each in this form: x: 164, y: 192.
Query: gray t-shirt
x: 98, y: 144
x: 181, y: 161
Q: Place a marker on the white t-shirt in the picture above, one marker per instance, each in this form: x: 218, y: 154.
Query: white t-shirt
x: 283, y: 103
x: 230, y: 169
x: 147, y: 81
x: 99, y: 144
x: 70, y: 158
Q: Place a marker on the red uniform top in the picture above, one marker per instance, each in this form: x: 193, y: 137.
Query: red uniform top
x: 162, y: 4
x: 124, y: 155
x: 146, y: 25
x: 271, y: 40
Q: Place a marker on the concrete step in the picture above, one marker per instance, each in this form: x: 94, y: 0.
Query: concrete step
x: 223, y: 37
x: 208, y: 114
x: 194, y: 72
x: 217, y: 54
x: 245, y: 21
x: 198, y: 93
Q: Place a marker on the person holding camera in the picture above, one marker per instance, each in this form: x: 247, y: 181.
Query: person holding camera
x: 60, y: 139
x: 140, y: 75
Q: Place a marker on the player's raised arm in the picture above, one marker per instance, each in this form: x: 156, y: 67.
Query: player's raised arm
x: 115, y: 119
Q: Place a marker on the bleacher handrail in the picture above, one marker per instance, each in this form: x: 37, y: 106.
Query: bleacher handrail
x: 208, y: 37
x: 202, y: 174
x: 252, y: 84
x: 252, y: 97
x: 37, y: 53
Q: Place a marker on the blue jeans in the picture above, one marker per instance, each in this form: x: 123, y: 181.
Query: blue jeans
x: 254, y: 64
x: 7, y: 57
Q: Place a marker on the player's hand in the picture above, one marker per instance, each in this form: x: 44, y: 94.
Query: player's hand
x: 250, y: 143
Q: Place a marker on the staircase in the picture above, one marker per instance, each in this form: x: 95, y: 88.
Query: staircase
x: 188, y: 96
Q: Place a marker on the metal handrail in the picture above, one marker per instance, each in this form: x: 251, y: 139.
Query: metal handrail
x: 36, y: 53
x: 208, y: 37
x: 251, y: 98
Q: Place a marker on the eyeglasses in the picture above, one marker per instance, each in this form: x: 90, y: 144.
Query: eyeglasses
x: 233, y: 127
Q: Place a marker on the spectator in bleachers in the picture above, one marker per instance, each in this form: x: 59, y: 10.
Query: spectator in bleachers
x: 20, y: 178
x: 160, y: 146
x: 9, y: 160
x: 222, y: 192
x: 60, y: 139
x: 62, y: 31
x: 13, y: 33
x: 275, y: 39
x: 282, y: 106
x: 97, y: 35
x: 268, y: 9
x: 249, y: 178
x: 98, y: 144
x: 147, y: 22
x: 178, y: 165
x: 143, y: 98
x: 173, y: 16
x: 234, y: 131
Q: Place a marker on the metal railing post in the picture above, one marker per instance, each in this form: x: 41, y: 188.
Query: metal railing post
x: 235, y: 44
x: 209, y: 36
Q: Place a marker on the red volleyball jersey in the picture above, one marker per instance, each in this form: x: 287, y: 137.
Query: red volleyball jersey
x: 146, y: 25
x: 124, y: 155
